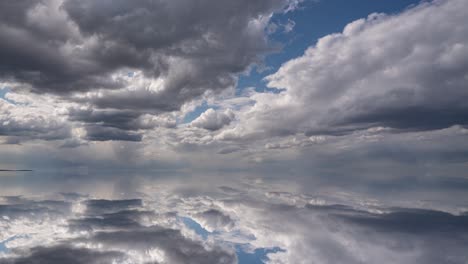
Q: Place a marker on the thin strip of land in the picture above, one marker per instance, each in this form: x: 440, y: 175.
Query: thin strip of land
x: 14, y: 170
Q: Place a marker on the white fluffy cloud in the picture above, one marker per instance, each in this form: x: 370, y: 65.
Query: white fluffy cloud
x: 406, y: 71
x: 213, y: 120
x: 25, y: 117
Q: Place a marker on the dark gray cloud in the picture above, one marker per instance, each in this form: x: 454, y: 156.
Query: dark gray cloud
x: 16, y: 207
x: 40, y: 61
x: 118, y: 220
x: 144, y: 57
x: 60, y: 47
x: 105, y: 125
x: 14, y: 12
x: 73, y: 196
x: 107, y: 206
x: 412, y: 221
x: 436, y: 236
x: 125, y: 120
x: 115, y: 124
x: 213, y: 219
x: 411, y: 117
x: 65, y: 254
x: 100, y: 133
x: 18, y: 130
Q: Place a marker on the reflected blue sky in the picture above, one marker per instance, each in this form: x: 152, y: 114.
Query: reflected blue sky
x: 190, y: 223
x: 244, y: 255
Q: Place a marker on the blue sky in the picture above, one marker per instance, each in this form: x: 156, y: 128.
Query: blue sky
x: 3, y: 91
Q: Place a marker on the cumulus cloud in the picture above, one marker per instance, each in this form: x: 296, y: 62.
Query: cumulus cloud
x: 97, y: 56
x: 405, y: 71
x: 25, y: 120
x: 214, y: 219
x: 80, y: 45
x: 213, y: 120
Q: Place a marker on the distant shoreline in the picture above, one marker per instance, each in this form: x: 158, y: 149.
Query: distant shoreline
x: 14, y: 170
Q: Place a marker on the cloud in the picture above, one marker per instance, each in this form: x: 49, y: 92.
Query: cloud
x: 83, y: 46
x: 99, y: 133
x: 213, y: 120
x: 435, y: 234
x: 289, y: 26
x: 116, y: 220
x: 214, y: 219
x: 100, y: 205
x: 106, y: 125
x: 115, y: 78
x: 405, y: 71
x: 27, y: 122
x: 98, y: 231
x: 66, y: 254
x: 411, y: 221
x: 18, y: 208
x: 125, y: 120
x: 36, y: 50
x: 176, y: 248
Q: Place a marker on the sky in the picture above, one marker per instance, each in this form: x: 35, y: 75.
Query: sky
x: 248, y: 131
